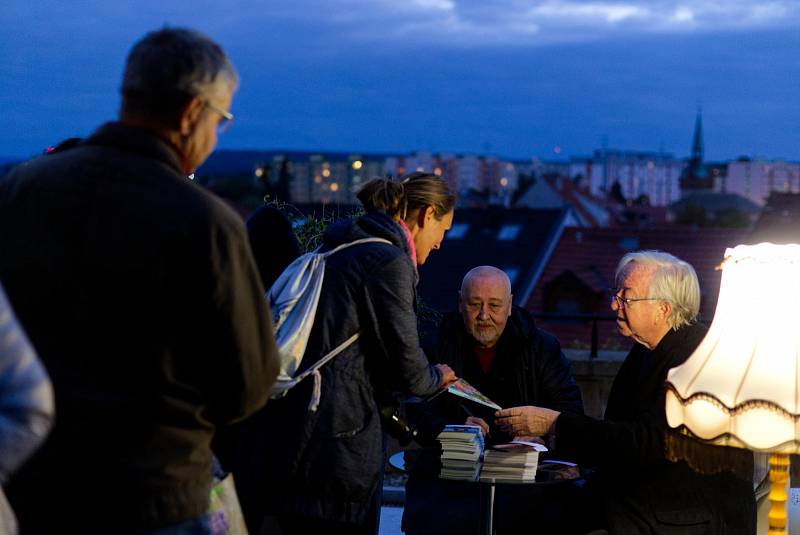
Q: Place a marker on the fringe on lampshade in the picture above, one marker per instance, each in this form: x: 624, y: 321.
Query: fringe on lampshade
x: 706, y: 458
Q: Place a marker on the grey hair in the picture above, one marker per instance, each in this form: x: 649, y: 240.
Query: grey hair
x: 674, y: 280
x: 168, y: 67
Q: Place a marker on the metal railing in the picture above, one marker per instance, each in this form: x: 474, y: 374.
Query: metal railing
x: 594, y: 318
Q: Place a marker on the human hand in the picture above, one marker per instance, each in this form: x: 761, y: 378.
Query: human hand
x: 474, y: 420
x: 528, y: 420
x: 448, y: 375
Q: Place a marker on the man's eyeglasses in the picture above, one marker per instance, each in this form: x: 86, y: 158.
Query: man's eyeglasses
x: 624, y: 302
x: 226, y: 121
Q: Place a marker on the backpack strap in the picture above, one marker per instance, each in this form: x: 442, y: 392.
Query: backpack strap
x: 356, y: 242
x: 314, y: 370
x: 308, y: 264
x: 316, y: 396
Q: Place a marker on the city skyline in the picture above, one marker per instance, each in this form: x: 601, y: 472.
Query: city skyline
x: 504, y: 77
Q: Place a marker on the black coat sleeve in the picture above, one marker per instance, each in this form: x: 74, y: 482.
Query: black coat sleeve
x: 638, y: 438
x: 599, y: 442
x: 429, y: 418
x: 390, y: 298
x: 635, y: 421
x: 237, y: 330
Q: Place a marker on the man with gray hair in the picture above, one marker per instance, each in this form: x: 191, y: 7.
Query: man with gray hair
x: 139, y: 291
x: 636, y: 489
x: 496, y: 347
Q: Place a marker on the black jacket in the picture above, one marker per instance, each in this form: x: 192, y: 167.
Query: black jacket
x: 528, y: 368
x: 641, y: 491
x: 138, y: 290
x: 327, y: 464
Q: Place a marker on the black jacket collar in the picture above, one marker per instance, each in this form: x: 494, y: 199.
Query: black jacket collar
x: 136, y: 140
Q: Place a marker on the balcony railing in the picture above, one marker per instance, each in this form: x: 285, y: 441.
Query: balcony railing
x: 594, y: 318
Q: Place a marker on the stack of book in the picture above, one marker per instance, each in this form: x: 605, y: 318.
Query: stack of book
x: 515, y: 461
x: 462, y: 448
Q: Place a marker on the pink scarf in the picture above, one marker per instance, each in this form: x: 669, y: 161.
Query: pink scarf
x: 412, y: 251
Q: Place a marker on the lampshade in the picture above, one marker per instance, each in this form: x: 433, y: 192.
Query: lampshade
x: 741, y: 386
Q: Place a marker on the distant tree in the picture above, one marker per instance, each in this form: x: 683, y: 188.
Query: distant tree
x: 616, y: 194
x: 691, y: 214
x: 283, y: 183
x: 731, y: 218
x: 239, y: 190
x: 276, y: 187
x: 695, y: 214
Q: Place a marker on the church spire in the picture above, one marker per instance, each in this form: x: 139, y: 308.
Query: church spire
x: 695, y: 174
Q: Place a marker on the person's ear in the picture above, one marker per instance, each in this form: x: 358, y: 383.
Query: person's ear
x: 510, y: 304
x: 190, y: 114
x: 425, y: 216
x: 665, y: 308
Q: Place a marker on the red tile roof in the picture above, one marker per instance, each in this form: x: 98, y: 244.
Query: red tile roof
x: 591, y: 254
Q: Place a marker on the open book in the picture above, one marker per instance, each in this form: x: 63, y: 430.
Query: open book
x: 467, y: 391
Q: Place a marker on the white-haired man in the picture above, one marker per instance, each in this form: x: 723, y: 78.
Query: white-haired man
x: 636, y: 490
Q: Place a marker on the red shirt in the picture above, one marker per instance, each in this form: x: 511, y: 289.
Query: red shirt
x: 485, y: 356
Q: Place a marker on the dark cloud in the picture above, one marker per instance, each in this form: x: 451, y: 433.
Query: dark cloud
x: 432, y: 74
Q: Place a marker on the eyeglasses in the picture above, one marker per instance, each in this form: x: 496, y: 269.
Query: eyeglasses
x: 227, y: 118
x: 624, y: 302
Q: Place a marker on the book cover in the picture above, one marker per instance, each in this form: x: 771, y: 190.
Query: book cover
x: 467, y: 391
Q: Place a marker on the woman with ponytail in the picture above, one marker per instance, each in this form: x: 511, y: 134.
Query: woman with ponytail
x: 322, y: 470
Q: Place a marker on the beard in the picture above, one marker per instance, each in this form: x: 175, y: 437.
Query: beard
x: 484, y: 332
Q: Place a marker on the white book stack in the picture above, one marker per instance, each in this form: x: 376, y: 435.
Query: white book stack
x: 515, y: 461
x: 462, y: 447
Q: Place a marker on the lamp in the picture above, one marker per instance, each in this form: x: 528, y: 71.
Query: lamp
x: 741, y: 386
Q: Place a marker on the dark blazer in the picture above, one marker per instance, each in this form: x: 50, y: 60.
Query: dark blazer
x: 139, y: 292
x: 640, y: 490
x: 328, y: 464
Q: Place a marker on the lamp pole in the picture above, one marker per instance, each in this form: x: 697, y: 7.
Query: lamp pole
x: 779, y: 479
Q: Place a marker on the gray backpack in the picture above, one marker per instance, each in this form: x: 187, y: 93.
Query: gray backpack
x: 293, y: 300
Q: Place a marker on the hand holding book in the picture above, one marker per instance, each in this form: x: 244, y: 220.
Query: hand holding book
x: 448, y: 375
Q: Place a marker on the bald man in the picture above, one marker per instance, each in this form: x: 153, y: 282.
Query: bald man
x: 497, y: 348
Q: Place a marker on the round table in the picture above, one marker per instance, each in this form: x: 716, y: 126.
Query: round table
x: 427, y: 462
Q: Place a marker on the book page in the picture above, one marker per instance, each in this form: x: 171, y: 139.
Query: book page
x: 465, y: 390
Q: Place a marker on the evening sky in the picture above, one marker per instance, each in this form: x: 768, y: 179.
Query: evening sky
x: 507, y: 77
